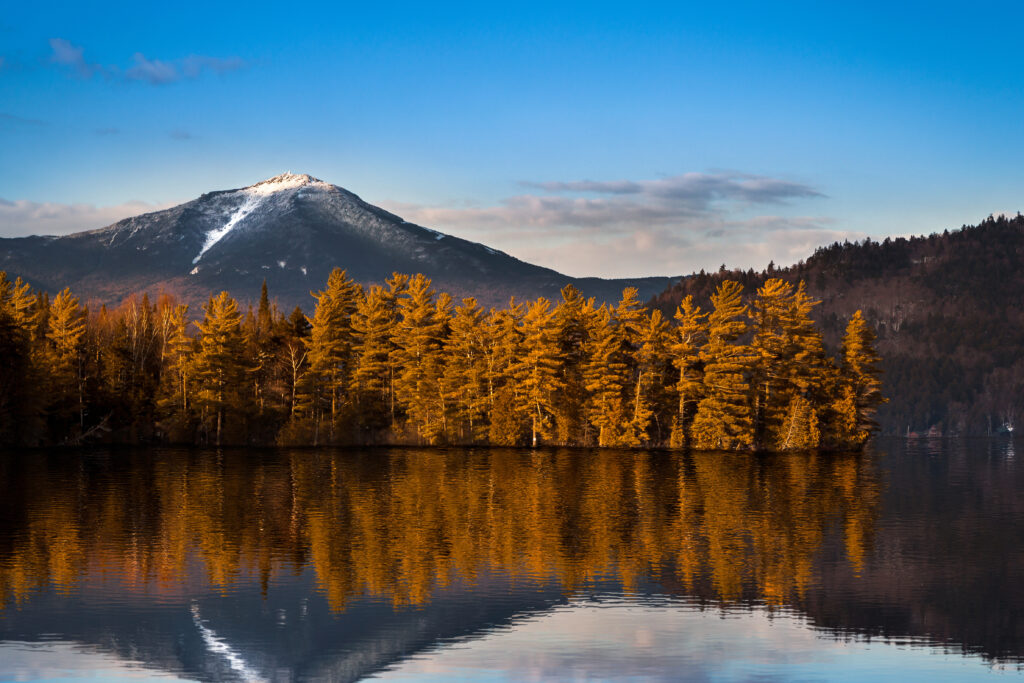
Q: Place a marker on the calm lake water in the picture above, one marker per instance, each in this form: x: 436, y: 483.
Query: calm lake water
x: 905, y: 563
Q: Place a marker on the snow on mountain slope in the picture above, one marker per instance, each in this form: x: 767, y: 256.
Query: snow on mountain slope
x: 292, y: 229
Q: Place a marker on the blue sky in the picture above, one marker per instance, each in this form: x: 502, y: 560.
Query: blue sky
x: 615, y: 140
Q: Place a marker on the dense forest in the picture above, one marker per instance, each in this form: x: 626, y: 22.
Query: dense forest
x: 947, y: 310
x: 399, y: 363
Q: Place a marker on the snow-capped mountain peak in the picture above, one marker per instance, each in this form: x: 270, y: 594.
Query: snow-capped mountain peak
x: 252, y: 198
x: 292, y: 230
x: 285, y: 181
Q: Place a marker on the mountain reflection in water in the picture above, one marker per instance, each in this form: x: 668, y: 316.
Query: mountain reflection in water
x: 338, y: 563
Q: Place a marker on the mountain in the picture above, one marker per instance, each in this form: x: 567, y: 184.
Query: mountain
x: 948, y: 310
x: 292, y: 230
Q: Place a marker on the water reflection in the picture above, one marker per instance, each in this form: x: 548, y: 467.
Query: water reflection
x: 292, y: 564
x: 403, y: 523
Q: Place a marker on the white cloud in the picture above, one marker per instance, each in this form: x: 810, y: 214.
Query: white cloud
x: 628, y: 228
x: 21, y: 217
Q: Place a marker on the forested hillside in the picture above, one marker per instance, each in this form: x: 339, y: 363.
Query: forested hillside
x: 948, y: 310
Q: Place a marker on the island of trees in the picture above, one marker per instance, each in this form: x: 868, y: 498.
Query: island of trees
x: 398, y: 363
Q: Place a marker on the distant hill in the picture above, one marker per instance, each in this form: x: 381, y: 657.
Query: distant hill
x: 948, y: 310
x: 292, y: 230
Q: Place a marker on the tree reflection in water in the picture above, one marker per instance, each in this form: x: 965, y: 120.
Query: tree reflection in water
x: 403, y: 523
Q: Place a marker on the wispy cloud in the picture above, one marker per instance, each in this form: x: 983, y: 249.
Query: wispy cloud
x: 643, y: 227
x: 142, y: 69
x: 21, y: 217
x: 11, y: 119
x: 180, y: 134
x: 73, y: 57
x: 696, y: 190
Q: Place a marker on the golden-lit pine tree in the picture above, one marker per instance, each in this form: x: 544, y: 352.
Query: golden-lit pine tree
x: 219, y: 368
x: 773, y: 347
x: 177, y: 383
x: 264, y: 340
x: 503, y: 351
x: 65, y: 330
x: 537, y: 372
x: 373, y: 379
x: 810, y: 374
x: 19, y: 399
x: 323, y: 395
x: 690, y: 337
x: 792, y: 372
x: 629, y: 322
x: 464, y: 382
x: 417, y: 337
x: 723, y: 419
x: 572, y: 321
x: 607, y: 378
x: 859, y: 386
x: 653, y: 407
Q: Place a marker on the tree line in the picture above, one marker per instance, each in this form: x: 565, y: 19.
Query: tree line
x: 947, y: 311
x: 400, y: 363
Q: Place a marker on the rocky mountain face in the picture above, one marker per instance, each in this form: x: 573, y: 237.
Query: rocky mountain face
x: 291, y: 230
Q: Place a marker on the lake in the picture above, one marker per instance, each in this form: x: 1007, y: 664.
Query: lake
x: 903, y: 563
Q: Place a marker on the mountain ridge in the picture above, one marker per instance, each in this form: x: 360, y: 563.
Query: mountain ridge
x: 292, y: 230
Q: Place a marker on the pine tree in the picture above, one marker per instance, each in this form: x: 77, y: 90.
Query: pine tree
x: 219, y: 368
x: 65, y: 329
x: 418, y: 336
x: 264, y: 313
x: 572, y: 320
x: 630, y: 320
x: 723, y: 417
x: 607, y: 376
x: 652, y: 405
x: 18, y: 398
x: 537, y: 372
x: 177, y: 383
x: 690, y: 338
x: 464, y: 382
x: 503, y: 350
x: 374, y: 373
x: 331, y: 355
x: 860, y: 389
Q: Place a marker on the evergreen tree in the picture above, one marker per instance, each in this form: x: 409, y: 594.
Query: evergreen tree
x: 537, y: 372
x: 177, y: 383
x: 18, y: 396
x: 374, y: 372
x: 690, y: 338
x: 860, y: 389
x: 723, y: 419
x: 331, y: 355
x: 607, y: 377
x: 219, y: 371
x: 418, y: 336
x: 65, y: 329
x: 503, y: 352
x: 572, y: 320
x: 652, y: 405
x: 465, y: 384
